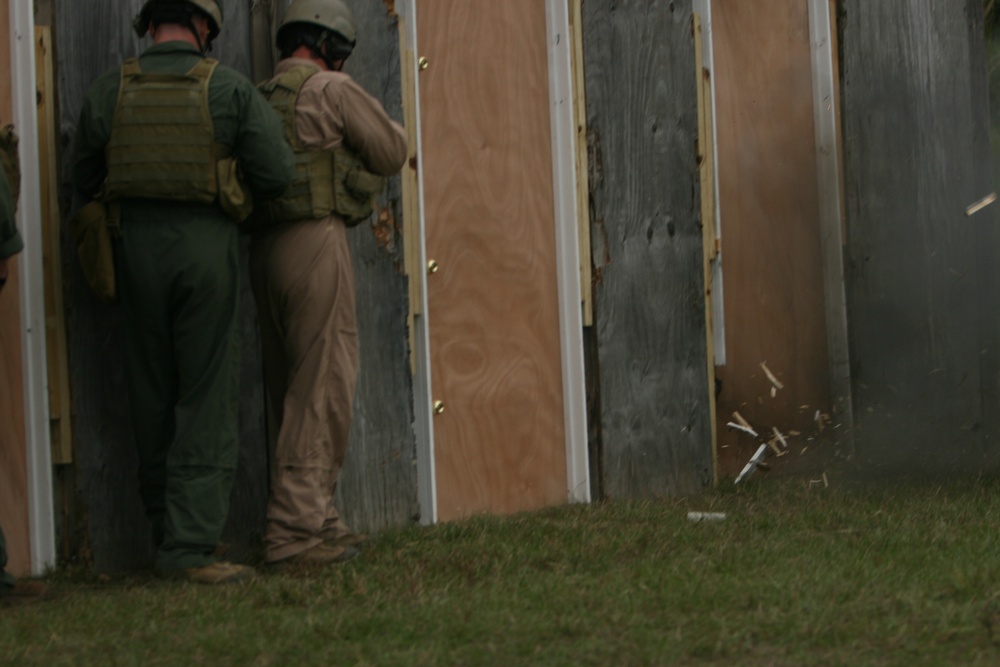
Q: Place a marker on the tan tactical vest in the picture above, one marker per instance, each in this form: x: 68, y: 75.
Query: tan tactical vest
x: 326, y: 181
x: 162, y: 146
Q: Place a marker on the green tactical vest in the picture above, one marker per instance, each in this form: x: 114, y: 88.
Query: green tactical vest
x: 162, y: 145
x: 325, y: 181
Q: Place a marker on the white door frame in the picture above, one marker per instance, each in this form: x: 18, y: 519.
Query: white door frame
x: 564, y: 180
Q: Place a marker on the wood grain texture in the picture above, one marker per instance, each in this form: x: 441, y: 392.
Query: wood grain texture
x: 60, y: 414
x: 921, y: 276
x: 378, y: 484
x: 650, y: 363
x: 774, y: 302
x: 13, y: 445
x: 493, y: 308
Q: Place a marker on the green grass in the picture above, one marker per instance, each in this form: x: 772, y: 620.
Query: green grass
x: 905, y: 574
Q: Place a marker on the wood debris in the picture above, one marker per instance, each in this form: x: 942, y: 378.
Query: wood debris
x: 779, y: 437
x: 741, y: 427
x: 981, y: 204
x: 821, y: 419
x: 742, y: 424
x: 770, y: 376
x: 754, y: 462
x: 824, y: 481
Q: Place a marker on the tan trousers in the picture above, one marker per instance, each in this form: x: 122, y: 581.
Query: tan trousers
x: 303, y: 283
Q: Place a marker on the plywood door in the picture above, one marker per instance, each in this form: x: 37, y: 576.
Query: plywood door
x: 769, y: 207
x: 13, y: 462
x: 489, y: 225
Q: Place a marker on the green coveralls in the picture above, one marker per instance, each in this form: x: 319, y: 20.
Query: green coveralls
x: 10, y: 244
x: 6, y: 581
x: 10, y: 240
x: 177, y: 266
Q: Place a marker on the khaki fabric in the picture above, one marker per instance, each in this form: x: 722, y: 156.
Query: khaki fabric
x: 303, y: 281
x: 333, y: 108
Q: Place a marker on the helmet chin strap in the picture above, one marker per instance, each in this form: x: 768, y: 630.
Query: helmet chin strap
x: 318, y: 50
x: 203, y: 47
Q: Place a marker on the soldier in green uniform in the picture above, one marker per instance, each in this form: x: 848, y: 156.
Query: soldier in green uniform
x: 10, y: 245
x: 156, y: 143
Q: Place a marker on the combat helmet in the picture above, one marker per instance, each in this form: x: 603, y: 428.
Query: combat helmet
x: 211, y: 8
x: 339, y: 32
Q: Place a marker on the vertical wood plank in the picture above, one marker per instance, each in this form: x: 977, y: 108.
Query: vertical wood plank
x: 830, y: 200
x: 651, y: 357
x: 55, y: 324
x: 378, y: 483
x: 706, y: 161
x: 493, y: 305
x: 13, y: 453
x: 922, y: 277
x: 768, y: 192
x: 583, y: 192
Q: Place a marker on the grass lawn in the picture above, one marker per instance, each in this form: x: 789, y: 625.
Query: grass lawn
x: 796, y: 574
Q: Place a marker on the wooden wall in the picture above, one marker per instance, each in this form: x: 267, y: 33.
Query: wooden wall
x: 922, y: 277
x: 13, y: 452
x: 648, y: 396
x: 770, y: 215
x: 104, y: 520
x: 492, y: 305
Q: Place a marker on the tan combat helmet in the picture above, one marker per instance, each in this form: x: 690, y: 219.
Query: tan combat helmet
x: 211, y: 8
x: 333, y: 16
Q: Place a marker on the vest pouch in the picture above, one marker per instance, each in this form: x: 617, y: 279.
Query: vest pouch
x: 234, y: 196
x: 89, y: 227
x: 355, y: 188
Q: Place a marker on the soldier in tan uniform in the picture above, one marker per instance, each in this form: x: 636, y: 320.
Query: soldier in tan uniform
x: 303, y: 279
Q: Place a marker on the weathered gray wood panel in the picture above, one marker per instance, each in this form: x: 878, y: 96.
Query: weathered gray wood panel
x: 379, y: 483
x: 921, y: 275
x: 653, y: 381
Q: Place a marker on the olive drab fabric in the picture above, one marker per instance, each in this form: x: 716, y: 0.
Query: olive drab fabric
x: 6, y: 581
x: 333, y: 16
x: 10, y: 183
x: 90, y: 229
x: 10, y: 239
x: 11, y: 161
x: 162, y: 146
x: 178, y: 269
x: 326, y: 181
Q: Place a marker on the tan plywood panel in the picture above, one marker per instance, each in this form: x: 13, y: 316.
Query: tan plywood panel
x: 769, y: 206
x: 13, y: 465
x: 493, y: 317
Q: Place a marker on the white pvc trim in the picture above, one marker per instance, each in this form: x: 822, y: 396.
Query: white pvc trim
x: 563, y: 123
x: 32, y: 296
x: 422, y: 394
